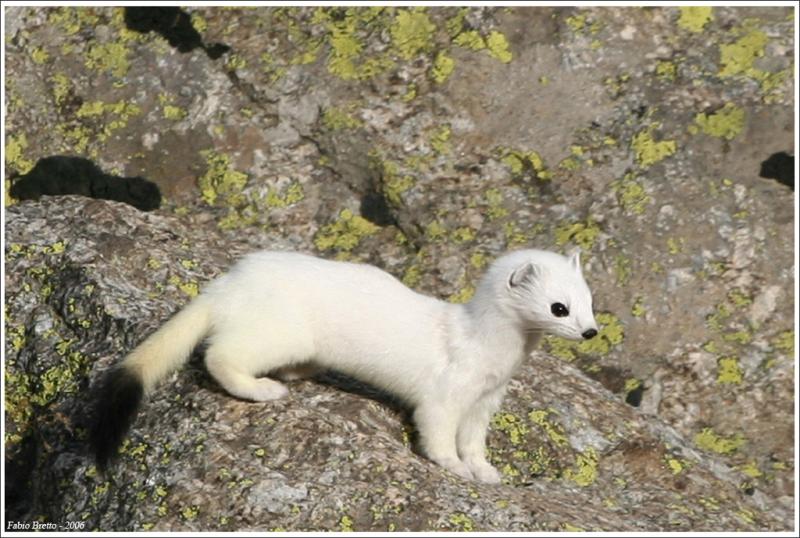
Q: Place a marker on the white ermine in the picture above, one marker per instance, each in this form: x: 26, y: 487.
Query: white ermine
x: 290, y: 314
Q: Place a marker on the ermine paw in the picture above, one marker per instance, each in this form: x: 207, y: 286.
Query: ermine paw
x: 267, y: 389
x: 457, y: 467
x: 483, y: 471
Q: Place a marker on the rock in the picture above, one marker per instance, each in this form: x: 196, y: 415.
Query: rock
x: 427, y: 143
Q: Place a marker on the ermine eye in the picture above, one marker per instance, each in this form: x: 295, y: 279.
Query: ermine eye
x: 559, y: 310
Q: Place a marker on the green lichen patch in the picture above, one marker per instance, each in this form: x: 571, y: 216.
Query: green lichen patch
x: 70, y: 20
x: 336, y: 118
x: 554, y: 430
x: 221, y: 182
x: 524, y: 163
x: 622, y: 269
x: 462, y: 522
x: 708, y: 440
x: 289, y: 196
x: 494, y: 200
x: 515, y: 429
x: 346, y: 59
x: 471, y: 40
x: 638, y: 310
x: 726, y: 122
x: 346, y: 524
x: 15, y: 149
x: 729, y: 372
x: 611, y: 333
x: 695, y: 18
x: 39, y: 55
x: 497, y: 45
x: 111, y: 57
x: 738, y: 58
x: 393, y: 181
x: 584, y: 473
x: 412, y: 33
x: 582, y: 234
x: 784, y: 343
x: 648, y: 150
x: 463, y: 295
x: 174, y: 113
x: 440, y: 139
x: 61, y: 88
x: 442, y: 67
x: 666, y: 70
x: 345, y: 233
x: 631, y: 195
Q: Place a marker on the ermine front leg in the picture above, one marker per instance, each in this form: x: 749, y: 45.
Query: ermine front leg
x: 471, y: 438
x: 437, y: 424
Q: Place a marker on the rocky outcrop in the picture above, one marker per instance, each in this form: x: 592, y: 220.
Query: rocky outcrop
x: 426, y: 142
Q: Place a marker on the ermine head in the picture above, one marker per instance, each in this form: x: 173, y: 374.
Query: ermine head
x: 547, y: 292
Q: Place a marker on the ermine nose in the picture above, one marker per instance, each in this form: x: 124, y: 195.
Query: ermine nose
x: 589, y: 333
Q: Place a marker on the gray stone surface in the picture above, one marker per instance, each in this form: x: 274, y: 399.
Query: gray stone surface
x: 634, y: 133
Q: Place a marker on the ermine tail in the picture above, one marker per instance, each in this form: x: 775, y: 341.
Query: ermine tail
x: 124, y: 386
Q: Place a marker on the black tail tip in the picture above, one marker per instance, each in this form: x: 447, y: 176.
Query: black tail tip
x: 115, y: 408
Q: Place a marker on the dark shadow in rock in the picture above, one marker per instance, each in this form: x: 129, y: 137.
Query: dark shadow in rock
x: 174, y: 25
x: 60, y: 175
x: 349, y: 384
x: 634, y: 397
x: 779, y: 166
x: 375, y: 209
x: 20, y: 464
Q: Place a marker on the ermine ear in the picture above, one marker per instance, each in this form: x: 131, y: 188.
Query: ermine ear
x: 523, y: 273
x: 575, y: 260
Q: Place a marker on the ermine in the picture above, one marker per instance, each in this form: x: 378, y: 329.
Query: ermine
x: 291, y: 315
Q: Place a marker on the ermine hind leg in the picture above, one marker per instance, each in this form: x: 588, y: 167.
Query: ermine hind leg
x: 235, y: 377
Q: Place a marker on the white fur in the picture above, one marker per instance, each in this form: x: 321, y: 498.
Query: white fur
x: 290, y: 314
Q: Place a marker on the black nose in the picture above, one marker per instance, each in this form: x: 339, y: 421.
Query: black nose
x: 589, y: 333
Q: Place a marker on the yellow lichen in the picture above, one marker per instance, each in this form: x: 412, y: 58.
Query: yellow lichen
x: 39, y: 55
x: 61, y: 87
x: 729, y: 371
x: 463, y: 295
x: 345, y: 233
x: 412, y: 32
x: 220, y: 180
x: 738, y: 58
x: 440, y: 139
x: 494, y: 198
x: 512, y: 426
x: 554, y: 431
x: 442, y: 67
x: 580, y: 233
x: 585, y: 472
x: 335, y: 118
x: 497, y: 46
x: 631, y: 194
x: 649, y: 151
x: 111, y: 57
x: 15, y: 148
x: 462, y: 522
x: 751, y: 469
x: 726, y: 122
x: 346, y: 523
x: 174, y: 113
x: 694, y: 18
x: 666, y: 70
x: 708, y: 440
x: 471, y: 40
x: 784, y: 342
